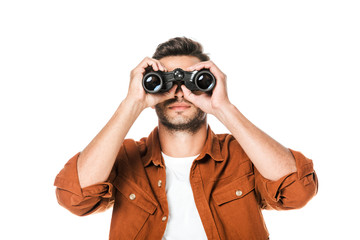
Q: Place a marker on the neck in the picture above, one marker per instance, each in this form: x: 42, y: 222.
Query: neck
x: 182, y: 143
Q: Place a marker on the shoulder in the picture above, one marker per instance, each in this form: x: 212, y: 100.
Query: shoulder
x: 145, y: 149
x: 230, y: 148
x: 228, y: 141
x: 130, y: 145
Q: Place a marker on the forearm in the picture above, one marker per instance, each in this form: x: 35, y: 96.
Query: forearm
x: 97, y: 159
x: 271, y: 158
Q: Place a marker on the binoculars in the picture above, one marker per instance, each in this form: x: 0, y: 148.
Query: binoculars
x: 154, y: 82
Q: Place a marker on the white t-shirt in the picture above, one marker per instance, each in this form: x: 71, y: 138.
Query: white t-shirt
x: 183, y: 221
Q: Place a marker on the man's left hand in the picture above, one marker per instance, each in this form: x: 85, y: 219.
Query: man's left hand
x: 209, y: 103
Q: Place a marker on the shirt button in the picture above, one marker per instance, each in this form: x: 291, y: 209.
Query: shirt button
x: 164, y: 218
x: 238, y: 193
x: 159, y: 183
x: 132, y: 196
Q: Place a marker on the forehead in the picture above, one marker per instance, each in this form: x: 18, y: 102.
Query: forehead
x: 183, y: 62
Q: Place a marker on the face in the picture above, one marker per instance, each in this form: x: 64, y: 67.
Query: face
x: 178, y: 114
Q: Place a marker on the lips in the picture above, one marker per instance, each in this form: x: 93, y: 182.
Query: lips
x: 179, y: 106
x: 175, y: 104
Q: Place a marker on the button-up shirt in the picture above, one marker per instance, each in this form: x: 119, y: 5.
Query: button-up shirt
x: 229, y: 191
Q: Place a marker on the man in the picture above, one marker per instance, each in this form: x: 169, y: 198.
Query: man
x: 184, y: 181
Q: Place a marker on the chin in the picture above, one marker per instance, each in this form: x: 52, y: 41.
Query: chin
x: 185, y: 121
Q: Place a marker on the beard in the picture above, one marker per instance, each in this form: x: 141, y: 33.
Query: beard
x: 190, y: 124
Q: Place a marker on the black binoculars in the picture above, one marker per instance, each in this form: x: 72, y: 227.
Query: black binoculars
x: 154, y: 82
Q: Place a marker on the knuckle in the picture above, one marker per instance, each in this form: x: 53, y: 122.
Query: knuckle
x: 134, y: 71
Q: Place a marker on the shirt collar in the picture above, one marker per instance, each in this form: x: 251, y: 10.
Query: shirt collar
x: 211, y: 147
x: 153, y: 155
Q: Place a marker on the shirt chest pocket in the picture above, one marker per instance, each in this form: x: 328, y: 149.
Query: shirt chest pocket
x: 234, y: 190
x: 237, y: 209
x: 132, y: 209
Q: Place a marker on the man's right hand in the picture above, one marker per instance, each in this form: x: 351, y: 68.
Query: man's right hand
x: 136, y: 92
x: 97, y: 159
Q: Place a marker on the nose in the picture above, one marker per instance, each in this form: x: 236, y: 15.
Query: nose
x: 178, y: 92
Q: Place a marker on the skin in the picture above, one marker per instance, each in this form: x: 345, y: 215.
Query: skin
x: 96, y: 161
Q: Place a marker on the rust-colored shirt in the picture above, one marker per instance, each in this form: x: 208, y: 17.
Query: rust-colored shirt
x: 228, y: 190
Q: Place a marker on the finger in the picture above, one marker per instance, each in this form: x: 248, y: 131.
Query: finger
x: 211, y: 66
x: 208, y: 65
x: 171, y: 92
x: 143, y: 63
x: 155, y: 64
x: 188, y: 95
x: 200, y: 65
x: 161, y: 67
x: 165, y: 69
x: 167, y: 95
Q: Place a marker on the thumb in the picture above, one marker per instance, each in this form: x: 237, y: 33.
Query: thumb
x: 188, y: 95
x: 167, y: 95
x: 201, y: 101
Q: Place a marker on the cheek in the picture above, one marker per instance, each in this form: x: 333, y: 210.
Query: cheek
x: 160, y: 111
x: 158, y: 106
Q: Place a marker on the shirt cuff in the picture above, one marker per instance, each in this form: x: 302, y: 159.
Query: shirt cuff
x: 68, y: 179
x: 293, y: 190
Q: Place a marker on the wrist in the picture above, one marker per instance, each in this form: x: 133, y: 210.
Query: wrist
x: 224, y: 112
x: 136, y: 106
x: 220, y: 107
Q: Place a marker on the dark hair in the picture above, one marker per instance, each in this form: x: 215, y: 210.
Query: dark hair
x: 180, y: 46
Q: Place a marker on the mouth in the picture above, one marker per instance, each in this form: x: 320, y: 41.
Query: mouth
x: 179, y: 107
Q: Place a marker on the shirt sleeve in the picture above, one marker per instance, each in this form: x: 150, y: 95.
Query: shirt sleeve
x: 82, y: 201
x: 292, y: 191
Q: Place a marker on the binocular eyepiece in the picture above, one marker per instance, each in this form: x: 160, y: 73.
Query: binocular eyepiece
x: 154, y: 82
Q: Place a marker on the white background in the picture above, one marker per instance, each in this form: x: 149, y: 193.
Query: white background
x: 292, y: 67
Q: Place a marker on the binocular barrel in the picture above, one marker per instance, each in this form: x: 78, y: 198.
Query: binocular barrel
x: 154, y: 82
